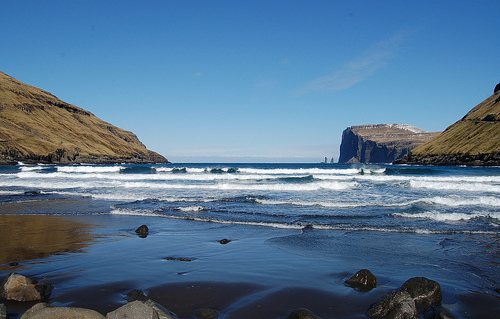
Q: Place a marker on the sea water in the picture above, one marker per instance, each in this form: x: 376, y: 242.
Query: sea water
x: 381, y: 198
x: 398, y: 221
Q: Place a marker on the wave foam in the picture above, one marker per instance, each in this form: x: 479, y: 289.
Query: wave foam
x: 460, y: 201
x: 456, y: 186
x: 190, y: 209
x: 332, y: 204
x: 89, y: 169
x: 29, y: 168
x: 448, y: 217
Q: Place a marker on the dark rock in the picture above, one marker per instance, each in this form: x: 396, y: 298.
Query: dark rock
x: 497, y: 88
x: 142, y: 231
x: 3, y: 311
x: 33, y: 193
x: 302, y: 313
x: 403, y: 302
x: 394, y: 305
x: 20, y: 288
x: 44, y: 310
x: 14, y: 264
x: 206, y: 313
x: 179, y: 258
x: 363, y: 280
x: 456, y: 159
x: 425, y: 292
x: 141, y: 310
x: 438, y: 312
x: 307, y: 228
x: 224, y: 241
x: 135, y: 294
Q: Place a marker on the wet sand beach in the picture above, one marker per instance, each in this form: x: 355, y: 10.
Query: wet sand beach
x: 93, y: 261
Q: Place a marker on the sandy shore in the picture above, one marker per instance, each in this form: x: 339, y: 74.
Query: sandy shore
x: 93, y: 261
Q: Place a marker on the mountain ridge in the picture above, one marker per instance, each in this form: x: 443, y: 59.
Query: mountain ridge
x: 38, y: 127
x: 473, y: 140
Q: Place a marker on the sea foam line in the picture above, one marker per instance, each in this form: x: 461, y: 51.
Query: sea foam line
x: 255, y: 187
x: 455, y: 201
x: 333, y: 204
x: 455, y: 186
x: 448, y: 217
x: 89, y: 169
x: 296, y: 226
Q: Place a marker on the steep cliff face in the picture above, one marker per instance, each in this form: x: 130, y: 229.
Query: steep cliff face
x: 474, y: 140
x: 380, y: 143
x: 37, y: 127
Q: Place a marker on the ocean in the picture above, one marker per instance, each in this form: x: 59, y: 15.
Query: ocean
x: 398, y: 221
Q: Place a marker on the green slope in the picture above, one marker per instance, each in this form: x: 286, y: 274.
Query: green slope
x: 473, y: 140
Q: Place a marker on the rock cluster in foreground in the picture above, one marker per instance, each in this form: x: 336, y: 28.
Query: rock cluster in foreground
x: 37, y: 127
x: 417, y: 296
x: 473, y: 141
x: 380, y: 143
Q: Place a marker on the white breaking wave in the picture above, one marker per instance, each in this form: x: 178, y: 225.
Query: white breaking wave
x: 455, y: 201
x: 89, y: 169
x: 133, y: 212
x: 456, y: 186
x: 152, y: 177
x: 26, y: 168
x: 191, y: 209
x: 333, y: 204
x: 294, y: 225
x: 255, y: 187
x: 443, y: 201
x: 301, y: 171
x: 448, y: 216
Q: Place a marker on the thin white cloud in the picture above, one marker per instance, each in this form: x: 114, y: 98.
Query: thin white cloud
x: 357, y: 70
x: 285, y: 61
x: 213, y: 150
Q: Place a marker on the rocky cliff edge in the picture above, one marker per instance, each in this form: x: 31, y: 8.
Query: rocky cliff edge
x: 380, y: 143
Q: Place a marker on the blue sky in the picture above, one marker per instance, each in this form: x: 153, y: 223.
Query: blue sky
x: 256, y: 81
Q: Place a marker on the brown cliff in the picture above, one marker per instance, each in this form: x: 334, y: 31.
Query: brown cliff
x: 380, y: 143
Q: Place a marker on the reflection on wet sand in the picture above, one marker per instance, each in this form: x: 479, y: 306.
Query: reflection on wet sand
x: 26, y: 237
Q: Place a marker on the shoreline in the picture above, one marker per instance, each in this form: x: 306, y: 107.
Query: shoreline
x: 261, y: 272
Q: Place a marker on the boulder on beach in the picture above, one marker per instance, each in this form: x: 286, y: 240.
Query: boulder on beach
x: 44, y: 310
x: 425, y: 292
x: 395, y: 304
x: 302, y: 313
x: 403, y: 302
x: 142, y: 231
x: 363, y: 280
x: 141, y: 310
x: 20, y: 288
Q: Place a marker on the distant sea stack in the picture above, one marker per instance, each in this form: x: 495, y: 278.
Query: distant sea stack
x: 473, y: 141
x: 380, y: 143
x: 37, y: 127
